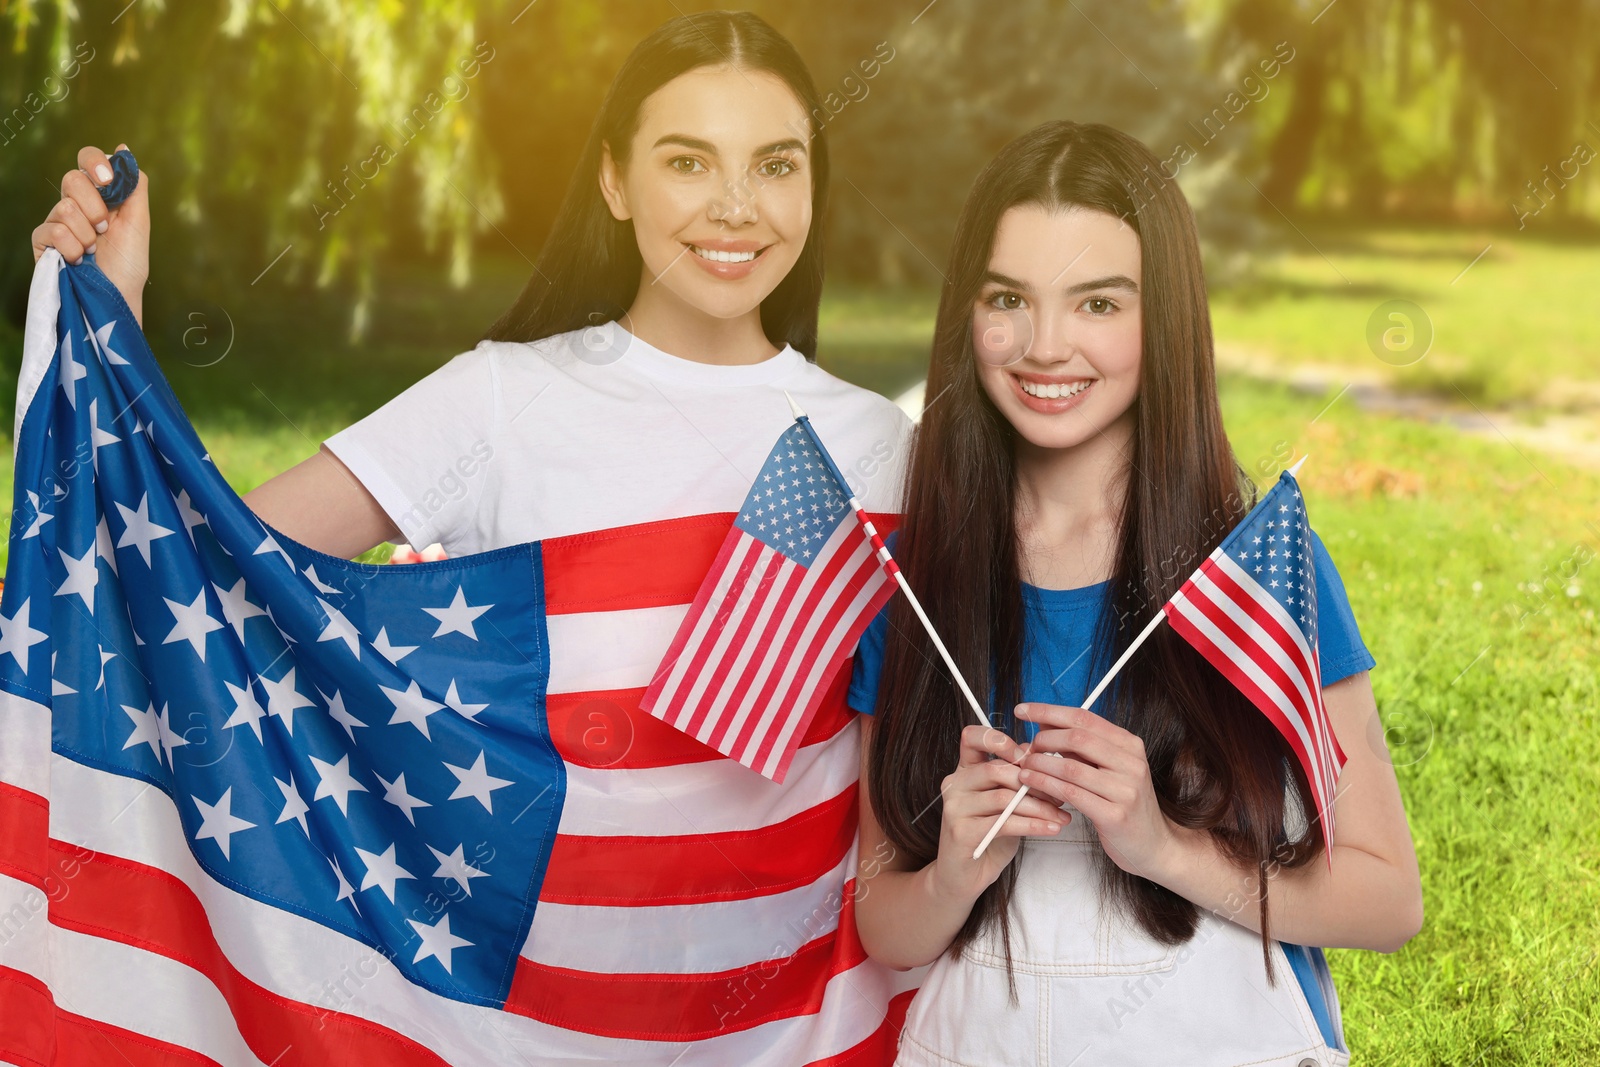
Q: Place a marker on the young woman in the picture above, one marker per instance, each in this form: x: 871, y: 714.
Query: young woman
x: 630, y: 396
x: 1061, y: 487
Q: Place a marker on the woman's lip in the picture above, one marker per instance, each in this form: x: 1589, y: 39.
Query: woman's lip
x: 726, y: 271
x: 1048, y: 405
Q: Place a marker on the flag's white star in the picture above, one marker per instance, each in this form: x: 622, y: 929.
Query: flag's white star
x: 39, y: 517
x: 146, y: 729
x: 382, y: 871
x: 247, y: 710
x: 339, y: 714
x: 437, y: 941
x: 283, y: 699
x: 270, y: 544
x: 170, y: 738
x: 453, y: 701
x: 391, y: 652
x: 17, y: 637
x: 395, y: 793
x: 236, y: 607
x: 191, y: 518
x: 98, y: 438
x: 58, y: 688
x: 218, y: 821
x: 72, y: 372
x: 458, y: 617
x: 102, y: 544
x: 411, y: 706
x: 105, y: 657
x: 294, y: 806
x: 322, y: 586
x: 345, y: 892
x: 340, y: 628
x: 102, y: 341
x: 138, y: 530
x: 193, y: 623
x: 83, y: 574
x: 456, y: 866
x: 476, y: 782
x: 336, y: 781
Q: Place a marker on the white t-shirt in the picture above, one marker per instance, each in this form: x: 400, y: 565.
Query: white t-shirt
x: 594, y: 429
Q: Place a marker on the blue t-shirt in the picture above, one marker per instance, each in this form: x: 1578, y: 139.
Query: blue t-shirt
x: 1058, y: 655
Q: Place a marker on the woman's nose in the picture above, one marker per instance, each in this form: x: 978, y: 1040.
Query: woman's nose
x: 736, y: 206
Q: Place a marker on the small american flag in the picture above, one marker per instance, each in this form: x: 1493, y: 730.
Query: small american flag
x: 1251, y: 610
x: 800, y: 575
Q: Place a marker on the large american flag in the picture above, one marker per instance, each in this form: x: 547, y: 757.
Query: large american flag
x: 798, y: 579
x: 1251, y: 610
x: 260, y: 805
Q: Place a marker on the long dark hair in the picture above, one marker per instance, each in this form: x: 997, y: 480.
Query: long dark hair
x: 587, y: 273
x: 1217, y: 763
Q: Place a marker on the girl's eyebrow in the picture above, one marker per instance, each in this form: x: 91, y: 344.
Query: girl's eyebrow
x: 1110, y: 281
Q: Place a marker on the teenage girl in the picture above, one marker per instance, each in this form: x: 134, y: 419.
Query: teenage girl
x: 1069, y: 473
x: 638, y: 379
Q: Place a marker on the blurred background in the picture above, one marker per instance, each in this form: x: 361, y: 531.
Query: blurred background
x: 1399, y: 206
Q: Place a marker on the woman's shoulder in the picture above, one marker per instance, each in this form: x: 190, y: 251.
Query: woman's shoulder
x: 867, y: 434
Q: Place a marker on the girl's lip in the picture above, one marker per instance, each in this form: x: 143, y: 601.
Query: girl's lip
x: 726, y: 271
x: 1048, y: 405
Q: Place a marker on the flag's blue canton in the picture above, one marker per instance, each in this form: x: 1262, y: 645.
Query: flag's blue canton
x: 363, y: 746
x: 1273, y: 546
x: 796, y: 503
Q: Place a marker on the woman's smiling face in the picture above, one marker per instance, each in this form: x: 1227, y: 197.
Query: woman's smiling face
x: 718, y: 185
x: 1057, y: 324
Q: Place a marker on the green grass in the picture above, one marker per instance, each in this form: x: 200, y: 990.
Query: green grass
x: 1469, y: 568
x: 1515, y: 327
x: 1472, y: 579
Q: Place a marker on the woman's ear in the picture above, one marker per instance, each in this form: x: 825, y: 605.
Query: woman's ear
x: 611, y: 185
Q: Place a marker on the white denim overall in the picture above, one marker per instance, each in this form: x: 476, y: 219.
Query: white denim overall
x: 1095, y: 991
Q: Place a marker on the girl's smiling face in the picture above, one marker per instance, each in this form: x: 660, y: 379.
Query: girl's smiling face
x: 718, y: 185
x: 1057, y: 324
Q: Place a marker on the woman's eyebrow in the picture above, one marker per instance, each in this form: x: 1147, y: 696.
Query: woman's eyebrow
x: 683, y: 140
x: 791, y: 145
x: 1004, y: 279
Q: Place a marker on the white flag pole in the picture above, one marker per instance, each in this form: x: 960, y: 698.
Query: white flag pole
x: 889, y: 564
x: 1150, y: 628
x: 1112, y: 673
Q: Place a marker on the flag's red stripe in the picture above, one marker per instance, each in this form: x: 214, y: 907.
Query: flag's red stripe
x: 693, y: 1007
x: 838, y: 601
x: 658, y: 689
x: 880, y: 1047
x: 753, y: 550
x: 146, y: 907
x: 24, y: 833
x: 608, y: 728
x: 840, y: 677
x: 1256, y: 695
x: 649, y: 565
x: 789, y: 624
x: 1251, y: 605
x: 1258, y: 613
x: 36, y: 1031
x: 652, y: 564
x: 731, y: 696
x: 701, y: 868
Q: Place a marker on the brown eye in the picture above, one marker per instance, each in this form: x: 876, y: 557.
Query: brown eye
x: 1006, y: 301
x: 775, y: 168
x: 684, y: 164
x: 1099, y: 305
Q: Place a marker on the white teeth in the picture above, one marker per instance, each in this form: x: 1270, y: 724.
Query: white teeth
x: 1054, y: 390
x: 722, y: 257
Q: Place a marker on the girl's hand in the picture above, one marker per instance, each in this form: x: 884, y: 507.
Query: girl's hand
x: 80, y: 222
x: 978, y: 791
x: 1081, y: 759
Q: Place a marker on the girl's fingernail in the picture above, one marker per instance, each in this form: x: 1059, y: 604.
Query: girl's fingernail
x: 1022, y: 711
x: 1023, y: 775
x: 102, y: 172
x: 101, y: 226
x: 91, y: 248
x: 1053, y: 827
